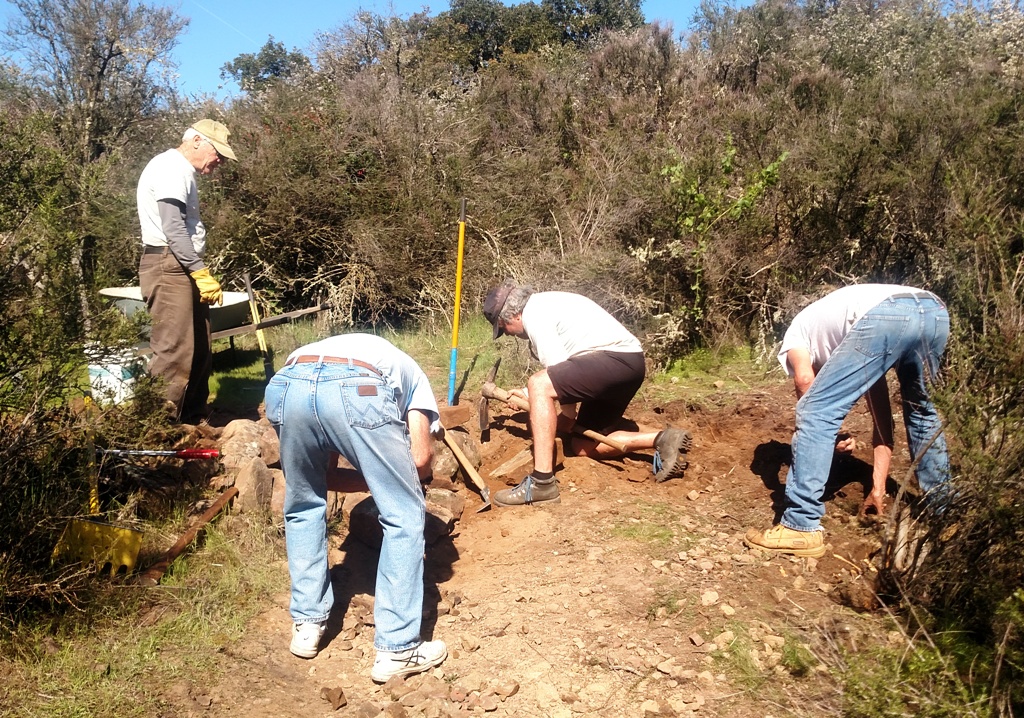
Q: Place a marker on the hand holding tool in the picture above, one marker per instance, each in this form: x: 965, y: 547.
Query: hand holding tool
x: 491, y: 391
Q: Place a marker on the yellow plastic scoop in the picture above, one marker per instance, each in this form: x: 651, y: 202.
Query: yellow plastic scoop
x: 94, y: 541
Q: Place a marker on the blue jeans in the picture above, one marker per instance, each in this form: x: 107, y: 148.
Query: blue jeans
x: 907, y: 333
x: 317, y: 408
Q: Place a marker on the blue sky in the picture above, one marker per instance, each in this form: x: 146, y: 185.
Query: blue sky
x: 221, y: 31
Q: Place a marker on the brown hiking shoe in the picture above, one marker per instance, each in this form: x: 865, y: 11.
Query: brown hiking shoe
x: 529, y: 491
x: 779, y: 539
x: 669, y: 447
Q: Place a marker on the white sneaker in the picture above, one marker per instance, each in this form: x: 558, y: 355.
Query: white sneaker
x: 306, y: 639
x: 403, y: 663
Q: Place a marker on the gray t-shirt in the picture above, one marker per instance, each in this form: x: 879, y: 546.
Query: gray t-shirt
x: 821, y: 326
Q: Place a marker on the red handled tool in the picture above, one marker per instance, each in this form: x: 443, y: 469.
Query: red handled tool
x: 177, y: 453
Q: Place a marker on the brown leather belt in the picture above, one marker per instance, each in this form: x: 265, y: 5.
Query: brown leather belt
x: 152, y: 249
x: 314, y: 358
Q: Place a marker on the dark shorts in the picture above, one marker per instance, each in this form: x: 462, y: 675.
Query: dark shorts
x: 603, y: 383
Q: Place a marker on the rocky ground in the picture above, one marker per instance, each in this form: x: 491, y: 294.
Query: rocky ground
x: 629, y: 598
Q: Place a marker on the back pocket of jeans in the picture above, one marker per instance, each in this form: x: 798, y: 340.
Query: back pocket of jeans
x: 274, y: 398
x: 367, y: 405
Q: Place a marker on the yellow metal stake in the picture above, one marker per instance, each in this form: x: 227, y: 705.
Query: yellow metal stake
x: 458, y: 302
x: 268, y: 361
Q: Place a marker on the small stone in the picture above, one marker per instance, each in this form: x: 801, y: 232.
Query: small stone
x: 334, y: 696
x: 650, y: 707
x: 696, y: 639
x: 727, y: 610
x: 396, y: 687
x: 693, y: 495
x: 506, y: 688
x: 709, y: 598
x: 779, y: 594
x: 366, y: 710
x: 724, y: 639
x: 568, y: 697
x: 396, y: 710
x: 411, y: 699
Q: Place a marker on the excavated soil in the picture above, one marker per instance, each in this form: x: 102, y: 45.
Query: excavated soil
x: 629, y: 598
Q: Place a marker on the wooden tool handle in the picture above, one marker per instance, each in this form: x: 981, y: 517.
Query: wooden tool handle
x: 154, y: 573
x: 521, y: 403
x: 464, y: 462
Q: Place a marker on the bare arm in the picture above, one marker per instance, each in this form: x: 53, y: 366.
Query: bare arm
x: 882, y: 441
x: 421, y: 443
x: 803, y: 371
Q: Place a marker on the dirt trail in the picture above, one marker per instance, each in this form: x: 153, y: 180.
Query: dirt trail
x: 630, y: 598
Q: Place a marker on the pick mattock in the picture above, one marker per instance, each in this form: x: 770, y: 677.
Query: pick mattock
x: 470, y: 470
x: 491, y: 391
x: 482, y: 409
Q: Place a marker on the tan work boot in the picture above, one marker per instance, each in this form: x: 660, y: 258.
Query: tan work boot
x: 779, y: 539
x: 529, y: 491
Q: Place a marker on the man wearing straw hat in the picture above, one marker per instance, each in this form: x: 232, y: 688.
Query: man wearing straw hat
x: 589, y: 359
x: 176, y: 284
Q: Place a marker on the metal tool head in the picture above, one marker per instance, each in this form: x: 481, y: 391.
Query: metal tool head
x: 483, y: 411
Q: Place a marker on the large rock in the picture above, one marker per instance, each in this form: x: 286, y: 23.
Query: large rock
x: 445, y: 465
x: 255, y: 486
x: 277, y: 494
x: 450, y: 500
x: 239, y: 443
x: 270, y: 447
x: 364, y: 521
x: 276, y: 501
